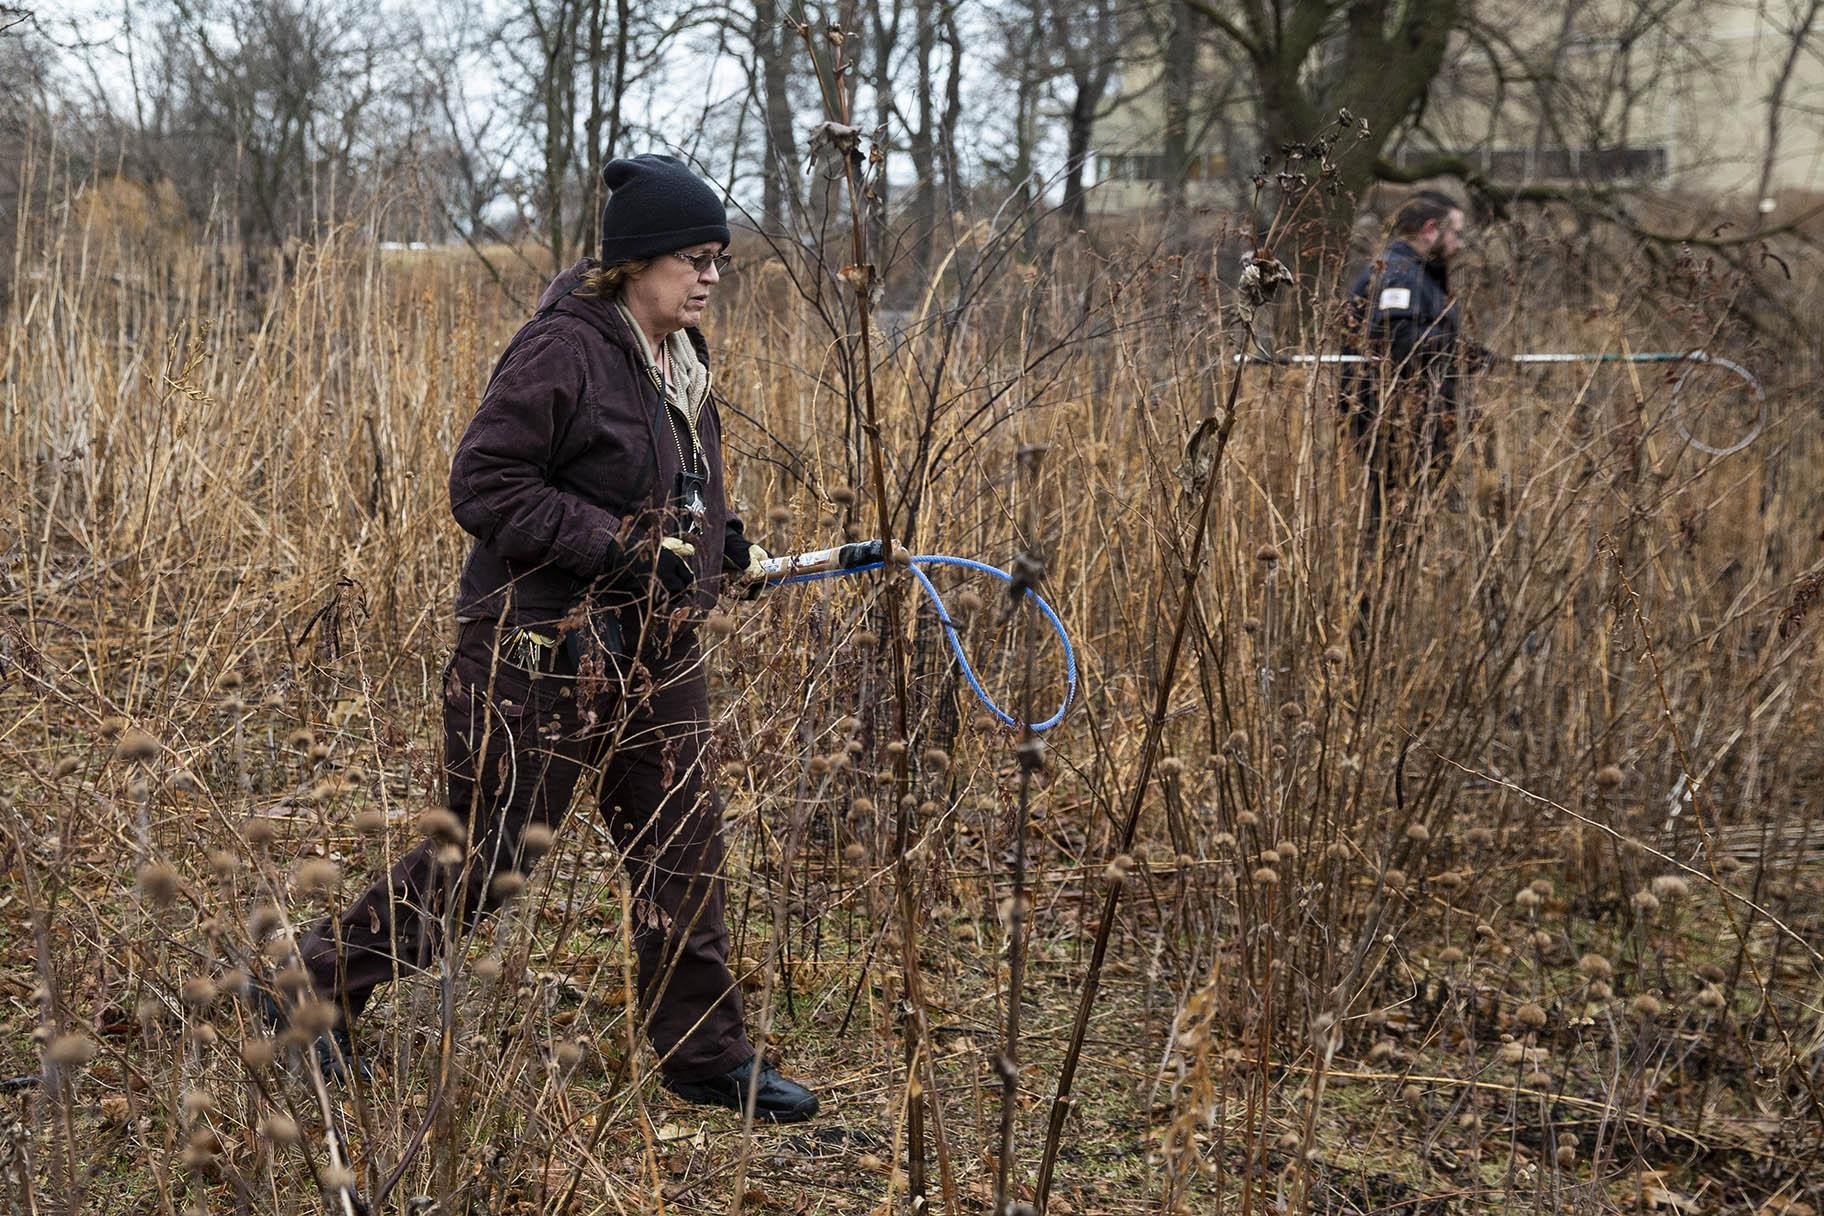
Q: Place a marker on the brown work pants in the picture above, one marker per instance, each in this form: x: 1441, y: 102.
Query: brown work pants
x: 517, y: 740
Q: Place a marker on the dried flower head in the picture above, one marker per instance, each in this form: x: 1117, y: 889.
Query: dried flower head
x: 136, y: 746
x: 1646, y: 1005
x: 440, y: 825
x: 199, y: 992
x: 258, y: 831
x: 158, y: 882
x: 279, y: 1129
x: 1645, y: 902
x: 1671, y: 887
x: 1608, y: 778
x: 259, y: 1053
x: 316, y: 876
x: 507, y: 885
x: 1595, y: 966
x: 1530, y: 1015
x: 71, y: 1050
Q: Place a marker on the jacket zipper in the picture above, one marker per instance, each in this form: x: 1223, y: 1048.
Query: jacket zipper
x: 671, y: 414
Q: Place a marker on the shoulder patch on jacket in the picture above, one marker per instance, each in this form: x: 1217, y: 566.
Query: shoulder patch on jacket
x: 1393, y: 299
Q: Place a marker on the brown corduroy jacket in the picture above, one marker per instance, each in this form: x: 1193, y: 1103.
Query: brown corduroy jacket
x: 572, y: 448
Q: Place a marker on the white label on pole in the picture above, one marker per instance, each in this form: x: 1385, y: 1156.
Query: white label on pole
x: 1395, y: 298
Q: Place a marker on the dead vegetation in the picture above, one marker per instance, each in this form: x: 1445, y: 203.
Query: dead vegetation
x: 1477, y: 870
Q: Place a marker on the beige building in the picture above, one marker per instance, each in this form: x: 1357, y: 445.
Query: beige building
x: 1675, y: 99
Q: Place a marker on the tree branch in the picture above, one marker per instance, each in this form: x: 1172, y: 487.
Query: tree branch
x: 1222, y: 21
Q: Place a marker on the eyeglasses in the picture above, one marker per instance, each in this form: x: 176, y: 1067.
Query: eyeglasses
x: 700, y: 262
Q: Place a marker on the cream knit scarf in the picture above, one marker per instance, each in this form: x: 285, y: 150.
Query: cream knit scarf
x: 687, y: 387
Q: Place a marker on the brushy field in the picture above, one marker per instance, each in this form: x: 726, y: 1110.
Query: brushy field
x: 1480, y: 871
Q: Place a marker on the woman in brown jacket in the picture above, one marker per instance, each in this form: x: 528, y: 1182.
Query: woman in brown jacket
x: 591, y: 480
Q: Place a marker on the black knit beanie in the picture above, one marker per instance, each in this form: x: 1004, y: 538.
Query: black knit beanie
x: 656, y: 205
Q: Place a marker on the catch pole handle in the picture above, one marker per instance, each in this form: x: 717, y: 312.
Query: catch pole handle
x: 824, y: 561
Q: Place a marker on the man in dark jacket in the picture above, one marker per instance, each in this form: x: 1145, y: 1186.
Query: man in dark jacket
x: 591, y: 480
x: 1403, y: 400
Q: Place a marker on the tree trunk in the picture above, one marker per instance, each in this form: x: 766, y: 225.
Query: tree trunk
x: 1180, y: 66
x: 921, y: 215
x: 780, y: 145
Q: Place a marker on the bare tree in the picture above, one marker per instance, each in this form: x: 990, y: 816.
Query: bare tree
x: 1089, y: 48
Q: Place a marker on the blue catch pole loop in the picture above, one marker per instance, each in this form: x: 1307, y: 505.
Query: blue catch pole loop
x: 956, y: 643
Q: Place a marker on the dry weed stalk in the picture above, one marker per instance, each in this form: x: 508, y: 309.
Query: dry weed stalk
x: 1409, y: 786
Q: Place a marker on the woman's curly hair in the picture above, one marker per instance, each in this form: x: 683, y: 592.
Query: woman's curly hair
x: 607, y: 281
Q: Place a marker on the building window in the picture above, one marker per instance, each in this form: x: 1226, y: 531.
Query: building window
x: 1150, y: 167
x: 1621, y: 164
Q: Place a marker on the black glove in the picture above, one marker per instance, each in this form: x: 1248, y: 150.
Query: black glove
x: 741, y: 557
x: 671, y: 573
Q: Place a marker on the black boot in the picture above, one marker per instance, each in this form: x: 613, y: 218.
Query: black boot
x: 335, y: 1051
x: 778, y: 1098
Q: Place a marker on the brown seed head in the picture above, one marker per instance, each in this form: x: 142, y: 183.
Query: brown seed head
x: 1671, y: 887
x: 196, y: 1103
x: 279, y: 1129
x: 158, y: 882
x: 1480, y: 837
x: 1334, y: 656
x: 1645, y: 902
x: 1710, y: 997
x: 316, y: 876
x: 71, y: 1050
x: 507, y: 885
x: 1418, y: 833
x: 199, y: 992
x: 259, y: 1053
x: 1450, y: 956
x: 1646, y: 1005
x: 136, y: 746
x: 440, y: 825
x: 258, y: 831
x: 264, y: 919
x: 64, y: 767
x: 1530, y: 1015
x: 719, y: 623
x: 1608, y: 778
x: 1595, y: 966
